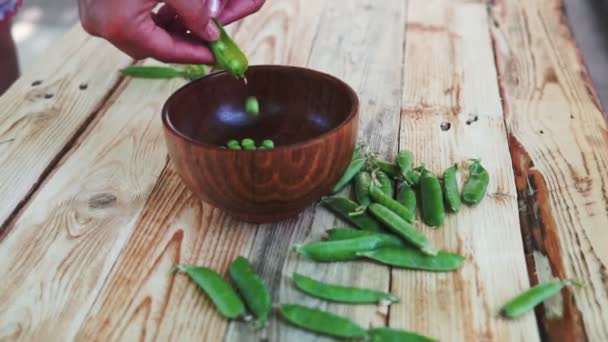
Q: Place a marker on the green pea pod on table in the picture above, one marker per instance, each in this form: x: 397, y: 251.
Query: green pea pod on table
x: 362, y: 182
x: 348, y: 233
x: 228, y: 56
x: 383, y: 181
x: 339, y: 250
x: 322, y: 322
x: 223, y: 296
x: 476, y: 185
x: 431, y: 198
x: 391, y: 169
x: 252, y: 288
x: 405, y: 257
x: 402, y: 228
x: 527, y: 300
x: 351, y: 171
x: 406, y: 196
x: 339, y: 293
x: 405, y: 160
x: 394, y: 335
x: 343, y: 206
x: 450, y: 187
x: 380, y: 197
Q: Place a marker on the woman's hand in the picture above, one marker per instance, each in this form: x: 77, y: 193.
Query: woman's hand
x: 173, y: 35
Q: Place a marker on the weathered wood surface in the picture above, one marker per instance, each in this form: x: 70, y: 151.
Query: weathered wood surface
x: 559, y: 147
x: 46, y: 110
x: 87, y: 256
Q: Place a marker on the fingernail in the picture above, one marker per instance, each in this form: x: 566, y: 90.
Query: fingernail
x: 213, y: 33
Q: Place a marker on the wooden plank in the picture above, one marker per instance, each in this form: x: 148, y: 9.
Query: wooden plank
x: 450, y: 82
x: 64, y: 244
x: 47, y: 108
x: 139, y: 299
x: 366, y: 53
x: 559, y: 143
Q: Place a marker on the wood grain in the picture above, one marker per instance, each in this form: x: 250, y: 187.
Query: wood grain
x: 45, y: 110
x: 451, y: 111
x: 559, y: 143
x: 67, y: 239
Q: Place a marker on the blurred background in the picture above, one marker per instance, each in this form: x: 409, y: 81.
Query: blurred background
x: 39, y: 23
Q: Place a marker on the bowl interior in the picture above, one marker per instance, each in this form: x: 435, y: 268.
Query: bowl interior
x: 296, y: 105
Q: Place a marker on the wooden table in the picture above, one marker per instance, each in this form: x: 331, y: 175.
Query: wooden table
x: 93, y: 214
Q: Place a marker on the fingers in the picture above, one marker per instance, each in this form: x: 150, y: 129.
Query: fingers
x: 196, y: 15
x: 153, y: 41
x: 168, y: 19
x: 238, y: 9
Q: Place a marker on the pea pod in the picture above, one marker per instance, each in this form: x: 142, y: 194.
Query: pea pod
x: 253, y: 290
x: 362, y: 183
x: 401, y: 227
x: 351, y: 171
x: 381, y: 180
x: 405, y: 160
x: 228, y: 56
x: 357, y: 150
x: 407, y: 198
x: 339, y: 250
x: 410, y: 258
x: 225, y: 299
x: 431, y: 196
x: 342, y: 206
x: 527, y: 300
x: 152, y: 71
x: 195, y: 71
x: 391, y: 169
x: 396, y: 207
x: 347, y: 233
x: 476, y: 186
x: 322, y: 322
x: 450, y: 187
x: 394, y: 335
x: 341, y: 294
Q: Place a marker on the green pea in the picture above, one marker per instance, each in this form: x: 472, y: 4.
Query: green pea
x: 321, y: 322
x: 351, y: 171
x: 339, y: 250
x: 228, y: 56
x: 401, y: 227
x: 431, y: 196
x: 405, y: 160
x: 407, y: 197
x: 233, y: 145
x: 381, y: 180
x: 527, y: 300
x: 450, y: 186
x: 343, y: 206
x: 396, y: 207
x: 348, y: 233
x: 410, y: 258
x: 248, y: 144
x: 267, y: 144
x: 476, y: 186
x: 391, y: 169
x: 394, y: 335
x: 225, y: 299
x: 341, y: 294
x: 152, y: 71
x: 252, y: 106
x: 362, y: 182
x: 252, y: 288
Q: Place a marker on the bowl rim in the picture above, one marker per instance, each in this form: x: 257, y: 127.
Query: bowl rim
x: 174, y: 131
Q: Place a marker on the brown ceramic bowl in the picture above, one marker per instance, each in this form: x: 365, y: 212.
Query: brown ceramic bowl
x: 312, y: 118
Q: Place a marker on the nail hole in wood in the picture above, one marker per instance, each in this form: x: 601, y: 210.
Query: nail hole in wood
x: 445, y: 126
x: 541, y: 132
x: 472, y: 118
x: 48, y: 96
x: 571, y: 116
x: 36, y: 83
x: 83, y: 86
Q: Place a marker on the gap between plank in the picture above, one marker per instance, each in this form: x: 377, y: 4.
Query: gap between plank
x: 63, y: 154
